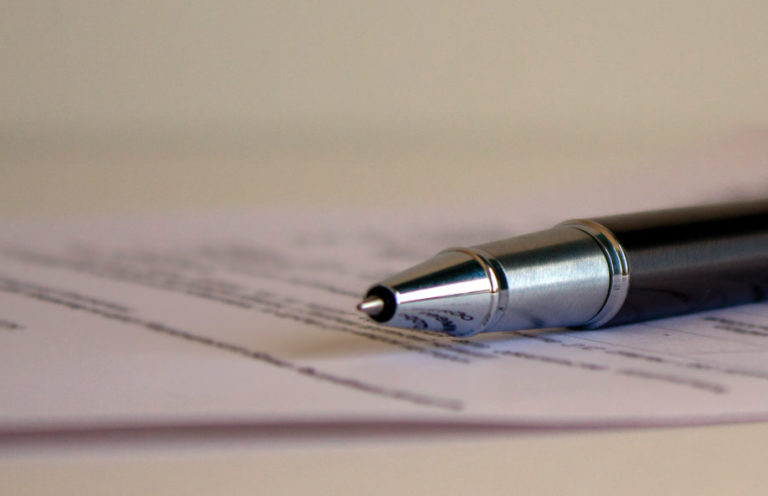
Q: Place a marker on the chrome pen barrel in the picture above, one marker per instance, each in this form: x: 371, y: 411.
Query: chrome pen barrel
x: 553, y: 278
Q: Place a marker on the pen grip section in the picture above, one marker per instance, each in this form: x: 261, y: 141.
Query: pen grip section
x: 692, y: 259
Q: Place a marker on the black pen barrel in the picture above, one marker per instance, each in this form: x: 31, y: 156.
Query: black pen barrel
x: 692, y: 259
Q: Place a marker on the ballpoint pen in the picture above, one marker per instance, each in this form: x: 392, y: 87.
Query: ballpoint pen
x: 586, y: 273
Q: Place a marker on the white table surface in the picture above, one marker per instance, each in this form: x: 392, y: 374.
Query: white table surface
x: 682, y: 460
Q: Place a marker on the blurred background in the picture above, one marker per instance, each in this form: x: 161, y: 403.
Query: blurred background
x: 144, y: 105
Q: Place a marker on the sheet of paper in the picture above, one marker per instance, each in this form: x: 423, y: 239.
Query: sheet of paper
x: 249, y: 319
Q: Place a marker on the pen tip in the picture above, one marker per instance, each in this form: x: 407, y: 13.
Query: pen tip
x: 371, y: 306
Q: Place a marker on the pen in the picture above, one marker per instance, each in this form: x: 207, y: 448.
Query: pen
x: 586, y: 273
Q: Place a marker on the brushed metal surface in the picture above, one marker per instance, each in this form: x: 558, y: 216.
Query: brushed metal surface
x: 553, y: 278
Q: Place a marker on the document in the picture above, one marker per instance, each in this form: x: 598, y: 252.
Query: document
x: 249, y: 319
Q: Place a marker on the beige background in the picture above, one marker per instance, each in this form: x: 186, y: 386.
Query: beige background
x: 136, y: 106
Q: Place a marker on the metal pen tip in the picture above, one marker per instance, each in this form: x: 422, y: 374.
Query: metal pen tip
x: 371, y: 306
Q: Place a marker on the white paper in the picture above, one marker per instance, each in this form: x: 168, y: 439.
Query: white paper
x: 249, y: 319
